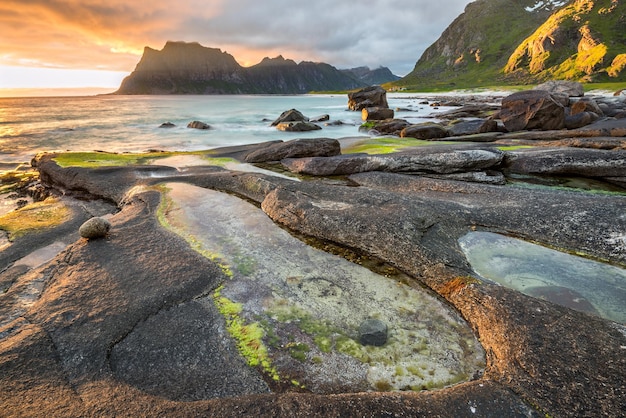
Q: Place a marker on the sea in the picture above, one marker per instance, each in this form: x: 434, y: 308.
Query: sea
x: 29, y: 125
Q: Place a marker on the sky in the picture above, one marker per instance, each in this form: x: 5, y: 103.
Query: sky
x: 96, y: 43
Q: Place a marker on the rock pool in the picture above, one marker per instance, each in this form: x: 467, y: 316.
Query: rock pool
x: 575, y: 282
x: 298, y: 309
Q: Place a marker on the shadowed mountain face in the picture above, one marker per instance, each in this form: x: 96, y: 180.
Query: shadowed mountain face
x: 190, y: 68
x: 527, y: 41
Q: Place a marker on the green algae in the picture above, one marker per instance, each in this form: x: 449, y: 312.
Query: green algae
x: 34, y: 217
x: 386, y: 145
x: 107, y: 159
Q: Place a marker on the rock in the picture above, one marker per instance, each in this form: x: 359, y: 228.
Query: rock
x: 422, y: 161
x: 314, y: 147
x: 586, y: 104
x: 95, y: 228
x: 580, y: 119
x: 167, y: 125
x: 428, y: 130
x: 373, y: 332
x: 198, y: 125
x: 567, y: 161
x: 391, y: 127
x: 374, y: 96
x: 479, y: 110
x: 472, y: 126
x: 376, y: 113
x: 291, y: 115
x: 532, y: 109
x: 299, y: 126
x: 620, y: 92
x: 320, y: 118
x: 571, y: 88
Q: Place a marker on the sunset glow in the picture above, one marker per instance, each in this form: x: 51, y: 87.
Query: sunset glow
x: 95, y: 43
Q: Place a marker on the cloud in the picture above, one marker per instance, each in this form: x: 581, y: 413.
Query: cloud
x: 110, y: 34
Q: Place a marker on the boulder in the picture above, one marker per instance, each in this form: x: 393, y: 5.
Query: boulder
x: 376, y: 113
x: 472, y: 126
x: 298, y: 148
x: 95, y: 228
x: 571, y: 88
x: 475, y: 110
x: 532, y: 109
x: 298, y: 126
x: 291, y: 115
x: 390, y: 127
x: 428, y: 130
x: 374, y: 96
x: 580, y: 119
x: 320, y: 118
x: 586, y: 104
x: 373, y: 332
x: 196, y: 124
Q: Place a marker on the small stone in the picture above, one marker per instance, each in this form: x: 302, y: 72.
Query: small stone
x: 167, y: 125
x: 373, y: 332
x: 94, y: 228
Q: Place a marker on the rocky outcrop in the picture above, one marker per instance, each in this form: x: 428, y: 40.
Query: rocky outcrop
x: 373, y: 77
x: 374, y: 96
x: 298, y: 148
x: 190, y: 68
x: 532, y: 109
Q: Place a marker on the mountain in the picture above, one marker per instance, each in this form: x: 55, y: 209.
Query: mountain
x: 526, y: 41
x: 190, y: 68
x: 374, y: 77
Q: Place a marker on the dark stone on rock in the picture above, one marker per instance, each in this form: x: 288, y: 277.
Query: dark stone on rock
x: 297, y: 126
x: 95, y: 228
x: 376, y: 113
x: 374, y: 96
x: 298, y: 148
x: 373, y: 332
x: 567, y: 161
x: 196, y: 124
x: 578, y: 120
x: 570, y: 88
x: 532, y: 109
x: 334, y: 123
x: 167, y: 125
x: 320, y: 118
x: 428, y: 130
x: 472, y: 126
x: 291, y: 115
x: 423, y: 161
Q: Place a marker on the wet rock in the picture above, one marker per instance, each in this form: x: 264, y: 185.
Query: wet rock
x: 472, y: 126
x: 167, y: 125
x: 532, y: 109
x: 428, y: 130
x: 578, y: 120
x: 570, y: 88
x: 95, y: 228
x: 297, y: 126
x: 376, y: 113
x: 373, y: 332
x: 391, y: 127
x: 374, y: 96
x: 196, y: 124
x: 320, y: 118
x: 586, y: 104
x: 291, y: 115
x: 298, y: 148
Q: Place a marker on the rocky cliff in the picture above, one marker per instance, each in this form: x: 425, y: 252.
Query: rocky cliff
x: 190, y: 68
x: 513, y: 42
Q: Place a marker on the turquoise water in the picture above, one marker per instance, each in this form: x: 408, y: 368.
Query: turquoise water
x: 131, y: 123
x: 575, y: 282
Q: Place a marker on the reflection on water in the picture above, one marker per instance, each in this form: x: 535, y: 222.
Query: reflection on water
x: 565, y: 279
x: 310, y: 304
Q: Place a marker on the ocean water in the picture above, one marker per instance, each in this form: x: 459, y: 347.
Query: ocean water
x: 131, y: 123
